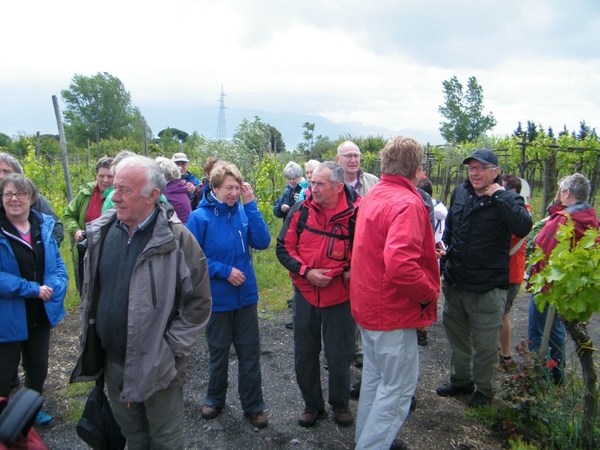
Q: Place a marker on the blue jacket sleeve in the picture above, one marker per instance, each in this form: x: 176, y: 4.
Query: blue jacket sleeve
x: 258, y: 235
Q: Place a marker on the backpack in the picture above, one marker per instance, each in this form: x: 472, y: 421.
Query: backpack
x: 332, y: 235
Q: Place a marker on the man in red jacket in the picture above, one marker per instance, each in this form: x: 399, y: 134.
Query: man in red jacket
x: 394, y: 289
x: 315, y: 246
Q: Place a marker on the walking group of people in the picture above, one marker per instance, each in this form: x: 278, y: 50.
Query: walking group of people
x: 168, y: 257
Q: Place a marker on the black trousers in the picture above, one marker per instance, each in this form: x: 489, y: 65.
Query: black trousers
x: 35, y: 360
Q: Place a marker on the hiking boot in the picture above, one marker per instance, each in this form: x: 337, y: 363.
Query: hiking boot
x: 44, y: 420
x: 309, y: 417
x: 478, y: 400
x: 355, y: 391
x: 413, y: 403
x: 343, y: 416
x: 449, y: 390
x: 422, y: 337
x: 210, y: 412
x: 289, y: 325
x: 258, y: 420
x: 398, y: 445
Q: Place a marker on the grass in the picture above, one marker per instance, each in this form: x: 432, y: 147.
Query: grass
x: 274, y: 282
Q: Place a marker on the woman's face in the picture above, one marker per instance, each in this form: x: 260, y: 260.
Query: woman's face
x: 104, y: 178
x: 17, y: 203
x: 229, y: 191
x: 294, y: 182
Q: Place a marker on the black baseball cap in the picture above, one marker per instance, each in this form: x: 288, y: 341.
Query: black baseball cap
x: 484, y: 156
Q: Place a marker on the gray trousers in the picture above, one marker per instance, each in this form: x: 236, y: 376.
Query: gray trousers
x: 154, y: 424
x: 472, y: 321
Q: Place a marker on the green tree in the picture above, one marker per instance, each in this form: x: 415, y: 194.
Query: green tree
x: 519, y: 131
x: 5, y: 140
x: 98, y: 107
x: 253, y: 136
x: 308, y: 135
x: 276, y: 142
x: 463, y: 112
x: 175, y: 133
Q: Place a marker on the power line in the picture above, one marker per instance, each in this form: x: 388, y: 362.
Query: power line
x: 221, y: 126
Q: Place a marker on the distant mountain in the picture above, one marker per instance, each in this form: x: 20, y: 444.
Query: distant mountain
x: 289, y: 124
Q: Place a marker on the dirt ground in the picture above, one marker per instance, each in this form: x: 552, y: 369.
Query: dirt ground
x: 437, y: 424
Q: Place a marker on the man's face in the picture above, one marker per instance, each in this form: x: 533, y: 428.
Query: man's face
x: 229, y: 191
x: 481, y: 175
x: 5, y: 170
x: 104, y: 178
x: 183, y: 166
x: 324, y: 192
x: 349, y: 159
x: 132, y: 207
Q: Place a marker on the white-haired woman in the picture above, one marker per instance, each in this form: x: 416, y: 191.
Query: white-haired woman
x: 175, y: 192
x: 296, y: 183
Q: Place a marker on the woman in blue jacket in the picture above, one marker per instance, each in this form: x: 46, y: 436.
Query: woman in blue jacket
x: 226, y: 230
x: 33, y: 284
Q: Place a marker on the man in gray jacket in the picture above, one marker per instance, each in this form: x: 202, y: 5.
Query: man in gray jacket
x: 145, y: 302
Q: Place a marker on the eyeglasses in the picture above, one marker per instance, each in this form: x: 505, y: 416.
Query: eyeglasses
x: 351, y: 155
x: 479, y: 169
x: 9, y: 195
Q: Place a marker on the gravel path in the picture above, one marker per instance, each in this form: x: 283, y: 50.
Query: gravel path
x: 437, y: 424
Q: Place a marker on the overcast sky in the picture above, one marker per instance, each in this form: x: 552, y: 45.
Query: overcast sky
x: 379, y: 63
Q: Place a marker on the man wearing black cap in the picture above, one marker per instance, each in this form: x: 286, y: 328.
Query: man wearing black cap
x: 481, y: 218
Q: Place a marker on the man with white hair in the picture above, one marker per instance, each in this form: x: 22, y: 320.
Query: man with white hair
x: 348, y: 156
x: 146, y: 301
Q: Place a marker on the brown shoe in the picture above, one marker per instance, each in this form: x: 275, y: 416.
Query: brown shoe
x: 210, y: 412
x: 258, y: 420
x: 343, y: 416
x: 309, y: 417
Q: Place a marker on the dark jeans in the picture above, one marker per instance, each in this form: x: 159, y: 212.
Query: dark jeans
x: 338, y: 338
x: 239, y: 327
x: 537, y: 322
x: 35, y: 360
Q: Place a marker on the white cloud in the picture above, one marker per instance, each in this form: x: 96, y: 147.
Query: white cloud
x: 379, y: 63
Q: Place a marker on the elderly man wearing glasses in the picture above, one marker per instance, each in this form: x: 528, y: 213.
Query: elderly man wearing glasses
x: 348, y: 156
x: 481, y: 218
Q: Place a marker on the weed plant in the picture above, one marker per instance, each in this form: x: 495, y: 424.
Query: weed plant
x: 533, y: 410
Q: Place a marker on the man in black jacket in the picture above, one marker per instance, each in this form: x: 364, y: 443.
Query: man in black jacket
x: 481, y: 218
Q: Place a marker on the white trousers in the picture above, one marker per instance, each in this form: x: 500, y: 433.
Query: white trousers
x: 389, y: 378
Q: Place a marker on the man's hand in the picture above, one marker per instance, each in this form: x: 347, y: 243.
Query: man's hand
x: 236, y: 277
x: 285, y: 208
x: 78, y: 236
x: 492, y: 188
x: 317, y: 277
x: 190, y: 187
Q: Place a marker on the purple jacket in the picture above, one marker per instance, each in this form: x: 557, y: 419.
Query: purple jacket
x: 176, y: 193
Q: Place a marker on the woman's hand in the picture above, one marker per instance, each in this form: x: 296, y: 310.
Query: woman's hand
x: 247, y: 193
x: 45, y: 293
x: 236, y: 277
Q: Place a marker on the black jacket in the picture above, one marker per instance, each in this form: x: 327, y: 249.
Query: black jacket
x: 478, y: 232
x: 287, y: 198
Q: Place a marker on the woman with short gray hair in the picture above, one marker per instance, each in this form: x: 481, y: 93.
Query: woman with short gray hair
x: 296, y: 183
